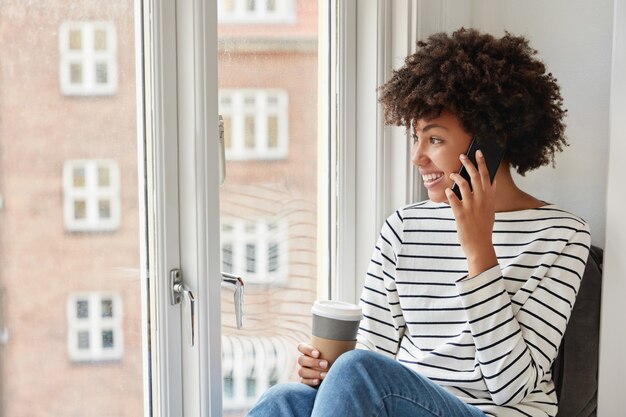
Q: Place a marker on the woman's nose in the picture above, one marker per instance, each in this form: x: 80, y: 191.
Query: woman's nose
x: 418, y: 154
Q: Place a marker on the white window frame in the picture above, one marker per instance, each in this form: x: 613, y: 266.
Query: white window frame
x: 180, y: 59
x: 233, y: 106
x: 284, y: 13
x: 236, y: 233
x: 88, y: 57
x: 92, y: 193
x: 372, y: 160
x: 94, y: 325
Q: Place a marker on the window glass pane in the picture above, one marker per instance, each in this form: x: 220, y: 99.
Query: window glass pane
x: 83, y: 340
x: 249, y: 132
x: 107, y: 339
x: 250, y: 387
x: 227, y: 257
x: 75, y: 39
x: 228, y: 387
x: 82, y: 309
x: 100, y: 40
x: 76, y: 73
x: 107, y: 308
x: 79, y: 177
x: 250, y: 258
x: 104, y: 209
x: 102, y: 75
x: 80, y: 209
x: 70, y: 276
x: 104, y: 177
x: 228, y: 135
x: 272, y: 257
x: 272, y: 132
x: 268, y: 98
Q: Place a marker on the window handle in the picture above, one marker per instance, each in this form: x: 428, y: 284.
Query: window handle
x: 222, y: 150
x: 235, y: 283
x: 178, y: 292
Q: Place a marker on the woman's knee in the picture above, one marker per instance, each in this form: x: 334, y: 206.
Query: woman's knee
x: 288, y: 392
x: 359, y: 360
x: 289, y: 399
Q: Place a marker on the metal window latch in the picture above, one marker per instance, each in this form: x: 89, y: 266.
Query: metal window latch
x: 235, y: 283
x: 178, y: 291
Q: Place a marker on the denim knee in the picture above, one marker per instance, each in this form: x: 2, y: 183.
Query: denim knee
x: 358, y: 359
x: 288, y: 399
x: 287, y: 392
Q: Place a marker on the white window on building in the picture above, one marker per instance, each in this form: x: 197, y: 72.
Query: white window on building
x: 250, y: 365
x: 94, y: 324
x: 255, y: 124
x: 257, y: 11
x: 256, y: 250
x: 91, y: 195
x: 88, y: 58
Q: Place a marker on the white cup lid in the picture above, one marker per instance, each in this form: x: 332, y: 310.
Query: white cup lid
x: 338, y: 310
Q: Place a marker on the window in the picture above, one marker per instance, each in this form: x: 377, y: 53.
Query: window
x: 256, y: 250
x: 91, y: 190
x: 94, y: 322
x: 255, y: 123
x: 88, y: 58
x: 256, y: 11
x: 251, y: 365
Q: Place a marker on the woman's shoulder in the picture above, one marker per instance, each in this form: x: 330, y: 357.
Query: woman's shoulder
x: 426, y: 208
x: 547, y: 212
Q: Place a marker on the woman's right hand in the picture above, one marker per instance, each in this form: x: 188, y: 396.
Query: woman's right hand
x: 312, y: 368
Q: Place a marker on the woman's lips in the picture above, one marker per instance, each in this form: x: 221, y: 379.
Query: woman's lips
x: 433, y: 179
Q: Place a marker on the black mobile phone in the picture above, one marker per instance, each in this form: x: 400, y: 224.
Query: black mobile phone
x: 493, y: 153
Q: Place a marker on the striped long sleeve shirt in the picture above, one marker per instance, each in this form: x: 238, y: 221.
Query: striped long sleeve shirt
x: 490, y: 339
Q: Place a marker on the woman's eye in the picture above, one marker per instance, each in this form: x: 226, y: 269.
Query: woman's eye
x: 434, y: 140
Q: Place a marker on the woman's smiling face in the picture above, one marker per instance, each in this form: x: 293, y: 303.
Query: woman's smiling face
x: 437, y: 144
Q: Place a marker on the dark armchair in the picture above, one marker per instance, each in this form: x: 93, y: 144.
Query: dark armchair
x: 575, y: 370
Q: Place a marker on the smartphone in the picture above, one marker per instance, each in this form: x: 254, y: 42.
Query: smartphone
x: 493, y: 153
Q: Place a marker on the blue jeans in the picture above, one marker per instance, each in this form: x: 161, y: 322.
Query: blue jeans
x: 364, y: 384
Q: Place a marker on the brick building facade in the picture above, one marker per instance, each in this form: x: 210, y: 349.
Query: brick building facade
x: 70, y: 288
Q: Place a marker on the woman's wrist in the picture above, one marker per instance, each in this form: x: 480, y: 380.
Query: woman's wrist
x: 480, y: 261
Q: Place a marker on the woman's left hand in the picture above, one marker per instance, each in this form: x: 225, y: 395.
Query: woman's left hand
x: 475, y: 215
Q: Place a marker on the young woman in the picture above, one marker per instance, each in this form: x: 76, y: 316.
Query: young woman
x: 466, y: 300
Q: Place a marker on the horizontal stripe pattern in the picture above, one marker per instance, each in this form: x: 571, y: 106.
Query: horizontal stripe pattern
x: 490, y: 339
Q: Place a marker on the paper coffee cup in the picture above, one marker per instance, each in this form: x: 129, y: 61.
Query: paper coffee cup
x: 335, y: 326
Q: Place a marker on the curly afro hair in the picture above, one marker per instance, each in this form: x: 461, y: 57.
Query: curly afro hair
x: 496, y: 87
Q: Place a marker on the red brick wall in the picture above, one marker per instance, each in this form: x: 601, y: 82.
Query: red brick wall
x: 41, y: 263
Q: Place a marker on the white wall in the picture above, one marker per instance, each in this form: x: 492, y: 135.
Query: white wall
x: 574, y: 39
x: 612, y: 401
x: 577, y: 41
